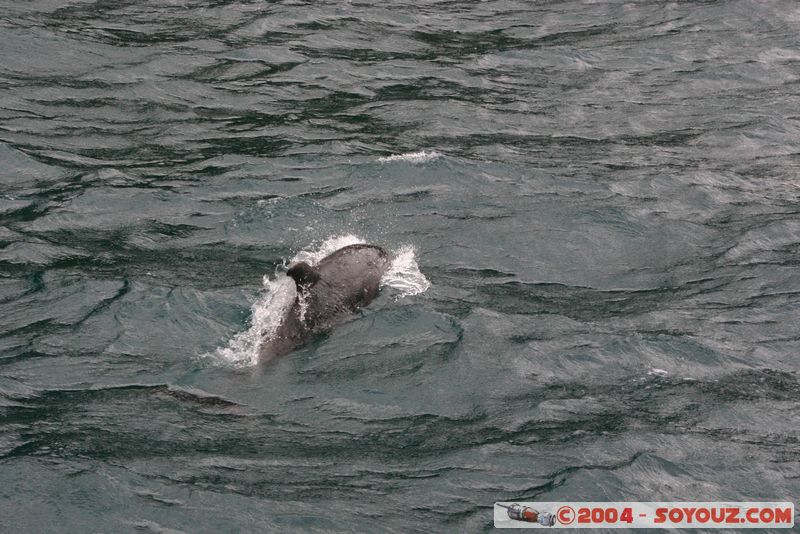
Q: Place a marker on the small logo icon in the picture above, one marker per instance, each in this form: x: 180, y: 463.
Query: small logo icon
x: 529, y: 515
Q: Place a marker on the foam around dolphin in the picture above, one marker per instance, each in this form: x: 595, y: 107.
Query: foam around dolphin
x: 327, y: 294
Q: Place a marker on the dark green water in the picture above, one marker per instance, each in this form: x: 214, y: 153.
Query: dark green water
x: 607, y: 209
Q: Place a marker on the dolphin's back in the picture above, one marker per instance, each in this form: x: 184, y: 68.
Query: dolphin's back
x: 354, y: 272
x: 328, y: 293
x: 348, y: 279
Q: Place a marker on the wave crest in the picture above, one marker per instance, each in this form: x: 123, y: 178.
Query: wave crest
x: 421, y: 156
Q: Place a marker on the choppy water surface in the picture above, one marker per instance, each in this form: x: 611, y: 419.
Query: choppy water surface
x: 604, y: 197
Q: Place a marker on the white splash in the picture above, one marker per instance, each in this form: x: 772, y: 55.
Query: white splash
x: 404, y: 274
x: 412, y: 157
x: 267, y: 314
x: 278, y: 295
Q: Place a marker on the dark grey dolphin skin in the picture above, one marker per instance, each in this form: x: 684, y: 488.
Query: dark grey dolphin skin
x: 333, y: 290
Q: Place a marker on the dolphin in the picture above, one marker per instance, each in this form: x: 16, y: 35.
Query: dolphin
x: 328, y: 293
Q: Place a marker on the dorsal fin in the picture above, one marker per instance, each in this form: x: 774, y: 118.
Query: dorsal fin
x: 304, y: 275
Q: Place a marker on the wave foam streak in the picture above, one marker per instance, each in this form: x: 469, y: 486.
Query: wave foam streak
x: 421, y: 156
